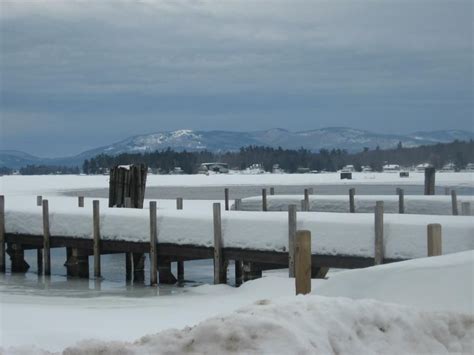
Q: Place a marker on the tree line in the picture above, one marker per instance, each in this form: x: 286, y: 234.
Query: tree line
x: 458, y: 152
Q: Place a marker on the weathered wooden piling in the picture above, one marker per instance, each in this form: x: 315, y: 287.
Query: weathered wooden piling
x: 46, y: 239
x: 292, y: 222
x: 251, y: 271
x: 272, y: 191
x: 454, y: 203
x: 179, y: 203
x: 220, y: 272
x: 226, y: 198
x: 465, y: 208
x: 430, y: 174
x: 180, y: 269
x: 303, y: 262
x: 153, y: 241
x: 39, y: 201
x: 78, y: 263
x: 39, y: 261
x: 128, y: 267
x: 351, y: 200
x: 80, y: 201
x: 128, y: 202
x: 264, y: 199
x: 238, y: 204
x: 434, y: 239
x: 96, y: 245
x: 306, y: 199
x: 401, y: 201
x: 138, y: 263
x: 127, y: 181
x: 379, y: 243
x: 2, y: 233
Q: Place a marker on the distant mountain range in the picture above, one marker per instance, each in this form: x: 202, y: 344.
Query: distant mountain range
x: 221, y: 141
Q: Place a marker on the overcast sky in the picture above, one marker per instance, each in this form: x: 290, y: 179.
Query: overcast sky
x: 80, y: 74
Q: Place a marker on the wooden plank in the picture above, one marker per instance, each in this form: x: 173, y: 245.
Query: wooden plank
x: 226, y: 199
x: 379, y: 243
x: 454, y: 203
x: 46, y: 239
x: 2, y: 233
x: 39, y: 200
x: 264, y: 199
x: 80, y: 201
x: 153, y: 241
x: 434, y: 239
x: 220, y: 272
x: 430, y: 174
x: 401, y: 201
x: 303, y: 262
x: 465, y: 208
x: 352, y: 200
x: 291, y: 239
x: 96, y: 237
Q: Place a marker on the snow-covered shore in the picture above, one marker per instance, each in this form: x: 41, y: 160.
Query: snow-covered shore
x: 424, y: 305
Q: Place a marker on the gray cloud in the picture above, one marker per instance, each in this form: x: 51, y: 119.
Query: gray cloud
x: 76, y: 68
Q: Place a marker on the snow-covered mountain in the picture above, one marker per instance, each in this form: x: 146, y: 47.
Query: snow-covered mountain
x: 328, y: 138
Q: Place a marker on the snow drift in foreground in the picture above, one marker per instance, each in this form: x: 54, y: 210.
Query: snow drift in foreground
x: 309, y: 324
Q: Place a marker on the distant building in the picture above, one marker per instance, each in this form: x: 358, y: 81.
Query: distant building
x: 302, y: 170
x: 277, y: 170
x: 391, y: 168
x: 366, y: 169
x: 177, y: 171
x: 470, y: 167
x: 449, y: 167
x: 221, y: 168
x: 421, y: 167
x: 348, y: 169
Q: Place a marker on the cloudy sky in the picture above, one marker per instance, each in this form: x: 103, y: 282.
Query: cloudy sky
x: 79, y: 74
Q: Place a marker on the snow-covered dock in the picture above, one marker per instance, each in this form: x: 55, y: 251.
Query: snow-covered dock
x: 413, y: 204
x: 339, y: 240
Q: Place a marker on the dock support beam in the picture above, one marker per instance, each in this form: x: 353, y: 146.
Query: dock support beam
x: 251, y: 271
x: 17, y: 257
x: 430, y: 181
x: 220, y: 266
x: 2, y: 233
x: 379, y: 244
x: 165, y: 275
x: 352, y: 200
x: 78, y: 263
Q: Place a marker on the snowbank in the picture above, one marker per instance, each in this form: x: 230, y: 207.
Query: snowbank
x: 277, y: 322
x: 59, y: 183
x: 308, y: 325
x: 333, y: 233
x: 414, y: 204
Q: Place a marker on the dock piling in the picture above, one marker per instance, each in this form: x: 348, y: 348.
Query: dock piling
x: 379, y: 243
x: 303, y: 262
x: 46, y: 239
x: 292, y: 222
x: 153, y: 240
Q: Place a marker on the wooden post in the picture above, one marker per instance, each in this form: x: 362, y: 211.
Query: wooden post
x: 454, y: 202
x: 2, y: 233
x: 303, y: 262
x: 272, y: 191
x: 128, y: 267
x: 238, y: 272
x: 153, y: 241
x: 226, y: 198
x: 238, y: 204
x: 401, y: 201
x: 128, y: 202
x: 291, y: 239
x: 220, y: 272
x: 39, y: 200
x: 46, y: 241
x: 352, y: 200
x: 80, y: 201
x: 126, y: 182
x: 96, y: 244
x: 39, y: 261
x: 180, y: 267
x: 379, y: 247
x: 430, y: 174
x: 466, y: 209
x: 434, y: 240
x: 264, y: 199
x: 179, y: 203
x: 306, y: 199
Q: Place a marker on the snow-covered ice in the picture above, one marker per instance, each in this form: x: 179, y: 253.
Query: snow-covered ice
x: 424, y: 305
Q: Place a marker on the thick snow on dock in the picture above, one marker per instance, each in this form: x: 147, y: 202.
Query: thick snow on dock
x: 332, y: 233
x: 414, y: 204
x: 418, y: 306
x: 61, y: 183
